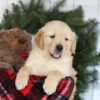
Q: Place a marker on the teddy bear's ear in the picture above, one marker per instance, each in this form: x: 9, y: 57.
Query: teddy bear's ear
x: 39, y: 39
x: 4, y: 35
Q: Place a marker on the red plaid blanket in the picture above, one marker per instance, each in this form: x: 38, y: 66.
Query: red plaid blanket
x: 34, y: 89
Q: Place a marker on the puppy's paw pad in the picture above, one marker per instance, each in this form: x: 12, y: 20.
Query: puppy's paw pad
x: 21, y: 82
x: 49, y: 88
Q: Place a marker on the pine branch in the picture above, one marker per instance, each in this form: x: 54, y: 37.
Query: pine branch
x: 58, y: 5
x: 39, y: 5
x: 23, y: 6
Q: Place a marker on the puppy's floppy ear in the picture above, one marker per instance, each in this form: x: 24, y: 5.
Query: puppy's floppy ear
x: 74, y: 42
x: 39, y: 39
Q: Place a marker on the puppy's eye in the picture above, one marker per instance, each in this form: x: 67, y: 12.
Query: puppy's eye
x: 66, y: 39
x: 52, y: 36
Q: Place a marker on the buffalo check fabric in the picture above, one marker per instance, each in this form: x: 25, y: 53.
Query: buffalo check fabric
x: 34, y: 90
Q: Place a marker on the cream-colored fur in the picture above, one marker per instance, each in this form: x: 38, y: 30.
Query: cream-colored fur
x: 41, y: 63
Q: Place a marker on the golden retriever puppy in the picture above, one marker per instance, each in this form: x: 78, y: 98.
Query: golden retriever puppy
x: 52, y: 56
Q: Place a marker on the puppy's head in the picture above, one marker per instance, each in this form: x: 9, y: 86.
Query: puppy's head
x: 57, y: 39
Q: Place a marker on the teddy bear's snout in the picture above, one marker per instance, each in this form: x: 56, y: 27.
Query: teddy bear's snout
x: 22, y: 41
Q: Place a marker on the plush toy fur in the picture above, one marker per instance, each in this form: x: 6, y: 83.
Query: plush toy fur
x: 13, y: 42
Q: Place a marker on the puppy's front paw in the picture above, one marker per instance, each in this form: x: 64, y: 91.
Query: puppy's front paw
x: 21, y: 81
x: 50, y: 87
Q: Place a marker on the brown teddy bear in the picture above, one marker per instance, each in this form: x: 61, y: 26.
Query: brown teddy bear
x: 15, y: 44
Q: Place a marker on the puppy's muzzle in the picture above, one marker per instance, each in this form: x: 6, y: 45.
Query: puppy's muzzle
x: 58, y: 52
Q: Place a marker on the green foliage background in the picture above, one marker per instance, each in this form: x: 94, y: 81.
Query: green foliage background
x: 31, y: 16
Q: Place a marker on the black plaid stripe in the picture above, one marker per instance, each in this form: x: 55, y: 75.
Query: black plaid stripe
x: 8, y: 90
x: 3, y: 93
x: 36, y: 93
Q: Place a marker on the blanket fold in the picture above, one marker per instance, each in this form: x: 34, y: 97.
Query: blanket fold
x: 34, y: 90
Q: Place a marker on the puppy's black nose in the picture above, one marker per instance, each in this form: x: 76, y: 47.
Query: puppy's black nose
x: 21, y: 41
x: 59, y: 47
